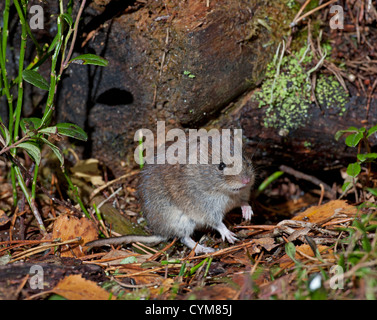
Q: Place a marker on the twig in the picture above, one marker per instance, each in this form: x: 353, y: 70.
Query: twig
x: 330, y: 223
x: 256, y: 264
x: 322, y: 194
x: 99, y: 189
x: 26, y: 242
x: 38, y: 249
x: 222, y: 252
x: 74, y: 35
x: 137, y: 273
x: 307, y: 177
x: 370, y: 97
x: 165, y: 51
x: 143, y: 247
x: 14, y: 145
x: 303, y: 224
x: 109, y: 198
x: 157, y: 254
x: 136, y: 286
x: 277, y: 69
x: 21, y: 285
x: 295, y: 21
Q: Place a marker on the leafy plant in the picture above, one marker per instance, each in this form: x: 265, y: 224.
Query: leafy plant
x: 38, y: 132
x: 189, y: 74
x: 356, y: 137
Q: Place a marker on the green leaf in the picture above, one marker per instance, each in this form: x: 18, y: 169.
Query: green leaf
x: 339, y: 133
x: 30, y: 124
x: 353, y: 139
x: 373, y: 191
x: 90, y: 59
x: 35, y: 79
x: 290, y: 250
x: 356, y: 223
x: 33, y: 149
x: 366, y: 157
x: 56, y: 297
x: 71, y: 130
x: 371, y: 131
x: 347, y: 185
x: 55, y: 149
x: 5, y: 133
x: 353, y: 169
x: 49, y: 130
x: 130, y: 259
x: 68, y: 19
x: 269, y: 180
x: 366, y: 243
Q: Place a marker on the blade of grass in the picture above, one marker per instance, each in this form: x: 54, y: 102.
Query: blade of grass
x: 30, y: 200
x: 76, y: 194
x: 196, y: 267
x: 53, y: 78
x: 20, y: 81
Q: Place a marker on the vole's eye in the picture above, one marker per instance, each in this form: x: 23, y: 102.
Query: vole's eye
x: 222, y: 165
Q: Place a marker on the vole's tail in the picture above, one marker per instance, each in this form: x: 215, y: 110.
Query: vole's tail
x: 125, y: 240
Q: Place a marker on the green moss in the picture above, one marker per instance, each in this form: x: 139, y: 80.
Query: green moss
x: 330, y: 95
x: 286, y: 96
x: 291, y: 4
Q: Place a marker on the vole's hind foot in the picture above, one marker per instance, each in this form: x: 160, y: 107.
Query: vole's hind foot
x: 247, y: 212
x: 226, y: 233
x: 202, y: 249
x: 188, y: 242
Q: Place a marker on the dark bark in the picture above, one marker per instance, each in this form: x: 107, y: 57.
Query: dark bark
x: 154, y: 52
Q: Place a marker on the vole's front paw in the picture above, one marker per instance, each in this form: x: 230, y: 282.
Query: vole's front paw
x: 247, y: 212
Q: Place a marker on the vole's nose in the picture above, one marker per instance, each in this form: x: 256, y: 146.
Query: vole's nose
x: 245, y: 180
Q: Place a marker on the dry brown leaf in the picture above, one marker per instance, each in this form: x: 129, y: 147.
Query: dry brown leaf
x: 267, y: 243
x: 286, y: 261
x: 89, y: 171
x: 148, y: 279
x: 74, y: 287
x: 69, y: 227
x: 3, y: 218
x: 320, y: 214
x: 298, y: 233
x: 163, y: 288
